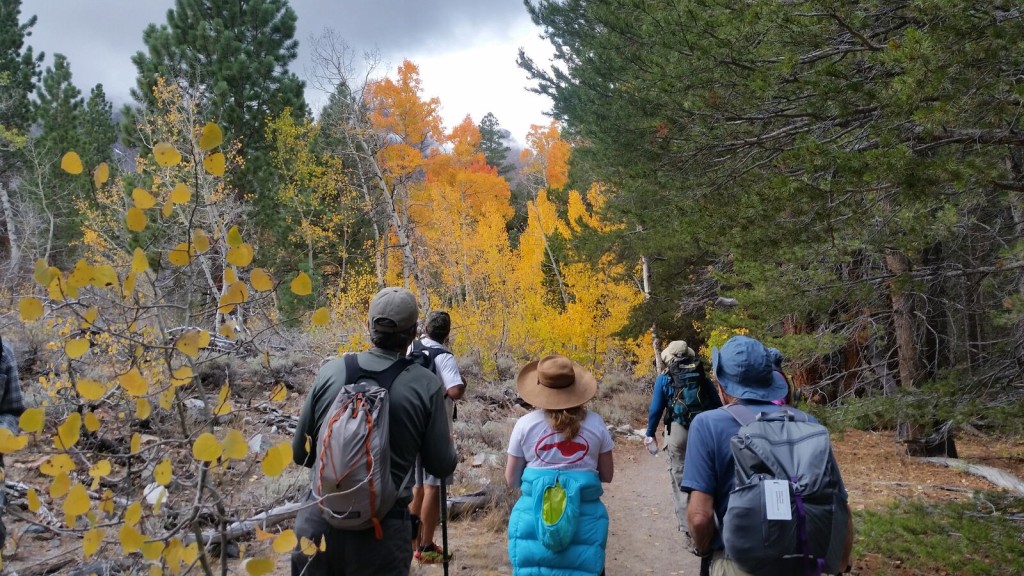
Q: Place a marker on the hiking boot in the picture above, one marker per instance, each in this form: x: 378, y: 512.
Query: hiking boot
x: 431, y: 554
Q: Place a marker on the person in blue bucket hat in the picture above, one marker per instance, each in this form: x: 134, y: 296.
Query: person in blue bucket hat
x: 744, y: 372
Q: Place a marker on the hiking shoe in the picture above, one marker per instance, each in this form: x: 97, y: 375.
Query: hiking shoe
x: 431, y: 554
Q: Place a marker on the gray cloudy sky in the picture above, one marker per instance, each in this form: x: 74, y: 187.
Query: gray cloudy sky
x: 465, y: 49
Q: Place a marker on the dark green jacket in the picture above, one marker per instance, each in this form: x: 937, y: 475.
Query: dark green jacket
x: 417, y: 417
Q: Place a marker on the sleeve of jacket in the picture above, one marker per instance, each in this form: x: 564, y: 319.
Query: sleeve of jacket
x: 657, y: 404
x: 437, y: 452
x: 12, y: 403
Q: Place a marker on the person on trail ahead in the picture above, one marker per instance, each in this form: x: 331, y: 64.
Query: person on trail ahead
x: 12, y: 404
x: 558, y: 455
x: 426, y: 500
x: 743, y: 372
x: 417, y: 424
x: 668, y: 394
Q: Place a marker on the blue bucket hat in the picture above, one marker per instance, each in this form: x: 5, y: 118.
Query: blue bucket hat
x: 745, y: 369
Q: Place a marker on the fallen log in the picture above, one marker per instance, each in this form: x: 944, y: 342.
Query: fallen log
x: 1000, y: 478
x: 241, y: 528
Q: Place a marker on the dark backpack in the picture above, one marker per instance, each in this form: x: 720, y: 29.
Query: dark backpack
x: 352, y: 472
x: 426, y: 355
x: 786, y: 514
x: 690, y: 391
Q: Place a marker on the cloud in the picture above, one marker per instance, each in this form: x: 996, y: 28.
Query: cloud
x: 469, y: 43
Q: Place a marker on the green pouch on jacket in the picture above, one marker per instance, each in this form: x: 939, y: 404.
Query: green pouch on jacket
x: 557, y: 514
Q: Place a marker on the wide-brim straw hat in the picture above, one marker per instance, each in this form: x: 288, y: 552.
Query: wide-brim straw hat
x: 555, y: 382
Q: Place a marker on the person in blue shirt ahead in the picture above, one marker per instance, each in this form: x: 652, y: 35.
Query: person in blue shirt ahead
x: 675, y: 428
x: 743, y: 372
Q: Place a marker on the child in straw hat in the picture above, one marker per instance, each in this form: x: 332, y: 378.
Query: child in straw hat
x: 558, y: 455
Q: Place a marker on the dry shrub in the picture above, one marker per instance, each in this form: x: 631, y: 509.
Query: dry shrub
x: 621, y: 400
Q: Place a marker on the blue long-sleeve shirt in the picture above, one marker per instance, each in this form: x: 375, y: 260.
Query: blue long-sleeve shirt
x: 659, y: 401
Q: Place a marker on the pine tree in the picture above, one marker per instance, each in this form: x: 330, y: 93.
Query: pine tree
x: 492, y: 144
x: 231, y: 57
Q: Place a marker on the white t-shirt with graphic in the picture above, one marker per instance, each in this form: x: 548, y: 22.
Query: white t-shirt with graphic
x: 534, y: 440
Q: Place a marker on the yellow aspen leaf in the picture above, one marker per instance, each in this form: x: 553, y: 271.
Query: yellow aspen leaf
x: 30, y: 308
x: 90, y: 389
x: 68, y: 432
x: 152, y: 550
x: 100, y: 469
x: 142, y: 409
x: 101, y: 174
x: 236, y: 294
x: 230, y: 276
x: 223, y: 406
x: 107, y: 502
x: 279, y: 392
x: 166, y: 398
x: 259, y: 566
x: 321, y: 316
x: 261, y: 281
x: 143, y: 199
x: 214, y: 164
x: 200, y: 241
x: 235, y: 446
x: 130, y: 538
x: 307, y: 546
x: 211, y: 136
x: 91, y: 421
x: 139, y: 261
x: 11, y: 443
x: 167, y: 208
x: 188, y: 343
x: 162, y: 472
x: 276, y: 459
x: 133, y: 383
x: 91, y: 541
x: 32, y: 420
x: 204, y: 339
x: 234, y: 237
x: 76, y: 348
x: 190, y: 553
x: 181, y: 376
x: 104, y: 276
x: 180, y: 255
x: 56, y: 465
x: 41, y: 274
x: 33, y: 500
x: 135, y: 219
x: 302, y: 285
x: 129, y: 285
x: 71, y: 163
x: 136, y: 443
x: 89, y: 317
x: 263, y: 535
x: 133, y: 513
x: 166, y: 155
x: 285, y: 542
x: 240, y: 255
x: 81, y: 275
x: 181, y: 194
x: 227, y: 330
x: 77, y: 502
x: 57, y: 289
x: 60, y: 485
x: 206, y: 448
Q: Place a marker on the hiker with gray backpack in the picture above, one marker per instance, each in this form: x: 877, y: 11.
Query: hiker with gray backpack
x: 766, y: 494
x: 364, y: 421
x: 680, y: 392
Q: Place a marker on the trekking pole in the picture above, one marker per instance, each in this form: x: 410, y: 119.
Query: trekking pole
x: 444, y: 523
x: 705, y: 566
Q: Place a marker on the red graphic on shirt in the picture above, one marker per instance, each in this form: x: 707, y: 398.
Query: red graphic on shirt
x: 554, y: 451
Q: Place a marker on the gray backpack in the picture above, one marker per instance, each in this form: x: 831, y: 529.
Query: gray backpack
x: 787, y: 513
x: 352, y: 472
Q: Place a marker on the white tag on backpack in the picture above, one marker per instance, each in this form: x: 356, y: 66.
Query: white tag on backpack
x: 776, y: 500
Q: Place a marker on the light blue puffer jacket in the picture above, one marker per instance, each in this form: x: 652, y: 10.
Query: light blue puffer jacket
x: 574, y: 545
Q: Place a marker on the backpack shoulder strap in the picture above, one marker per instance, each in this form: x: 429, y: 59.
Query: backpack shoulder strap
x: 384, y: 378
x: 741, y: 413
